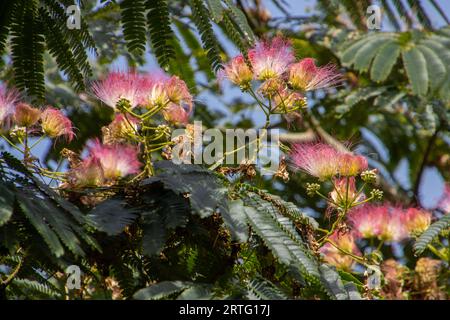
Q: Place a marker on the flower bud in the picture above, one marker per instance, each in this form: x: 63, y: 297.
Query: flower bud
x: 25, y: 115
x: 369, y: 176
x: 312, y: 188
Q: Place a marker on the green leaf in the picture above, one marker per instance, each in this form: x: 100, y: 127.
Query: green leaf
x: 161, y: 33
x: 348, y: 55
x: 265, y: 290
x: 363, y: 94
x: 367, y: 52
x: 384, y: 61
x: 431, y: 233
x: 34, y: 288
x: 155, y: 234
x: 27, y: 45
x: 435, y: 67
x: 200, y: 16
x: 33, y: 212
x: 199, y: 185
x: 333, y: 283
x: 350, y: 48
x: 216, y: 9
x: 236, y: 221
x: 416, y: 69
x: 197, y: 292
x: 133, y: 22
x: 6, y: 202
x: 161, y: 290
x: 240, y: 20
x: 112, y: 216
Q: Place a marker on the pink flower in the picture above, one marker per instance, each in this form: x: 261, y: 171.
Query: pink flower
x: 444, y: 202
x: 25, y: 115
x: 237, y: 71
x: 178, y: 92
x: 8, y: 100
x: 383, y: 222
x: 351, y: 165
x: 336, y: 257
x: 317, y: 159
x: 55, y: 124
x: 345, y: 195
x: 270, y: 59
x: 417, y: 220
x: 116, y: 160
x: 119, y: 85
x: 305, y: 75
x: 393, y: 227
x: 176, y: 114
x: 323, y: 161
x: 367, y: 220
x: 287, y: 101
x: 120, y: 129
x: 88, y: 174
x: 154, y: 89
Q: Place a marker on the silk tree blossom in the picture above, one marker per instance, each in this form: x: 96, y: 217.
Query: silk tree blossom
x: 178, y: 92
x: 416, y: 220
x: 55, y: 124
x: 336, y: 257
x: 367, y: 220
x: 177, y: 114
x: 270, y: 59
x: 345, y: 192
x: 89, y: 173
x: 120, y: 129
x: 8, y: 101
x: 323, y: 161
x: 317, y: 159
x: 306, y: 76
x: 116, y: 160
x: 237, y: 71
x: 154, y: 90
x: 25, y: 115
x: 286, y: 101
x: 393, y: 227
x: 119, y: 85
x: 351, y: 165
x: 385, y: 222
x: 444, y: 202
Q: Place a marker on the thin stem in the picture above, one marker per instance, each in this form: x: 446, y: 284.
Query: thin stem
x: 11, y: 143
x: 436, y: 252
x: 38, y: 141
x: 355, y: 257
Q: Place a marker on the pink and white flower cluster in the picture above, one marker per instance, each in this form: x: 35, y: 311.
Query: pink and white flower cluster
x: 387, y: 222
x: 324, y: 162
x: 105, y: 164
x: 273, y: 62
x: 149, y: 91
x: 50, y: 121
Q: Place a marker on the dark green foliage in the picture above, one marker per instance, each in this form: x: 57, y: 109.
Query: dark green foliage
x: 432, y: 233
x: 60, y: 224
x: 204, y: 27
x: 133, y: 21
x: 161, y: 33
x: 27, y: 45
